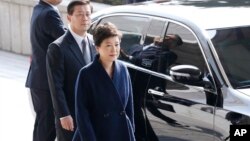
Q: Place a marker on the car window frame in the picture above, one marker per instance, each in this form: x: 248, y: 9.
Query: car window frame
x: 209, y: 69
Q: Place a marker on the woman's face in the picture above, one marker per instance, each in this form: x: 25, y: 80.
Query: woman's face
x: 109, y: 49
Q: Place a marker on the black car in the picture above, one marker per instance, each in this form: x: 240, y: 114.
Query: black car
x: 206, y: 88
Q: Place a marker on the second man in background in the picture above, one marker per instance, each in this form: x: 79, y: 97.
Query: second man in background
x: 65, y: 57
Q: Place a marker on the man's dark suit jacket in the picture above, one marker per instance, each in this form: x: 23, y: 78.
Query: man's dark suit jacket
x: 64, y: 60
x: 154, y: 58
x: 46, y: 26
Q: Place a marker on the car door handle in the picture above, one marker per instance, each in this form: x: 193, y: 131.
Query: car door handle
x: 154, y: 92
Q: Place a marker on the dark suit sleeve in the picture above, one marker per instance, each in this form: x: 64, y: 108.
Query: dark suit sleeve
x: 54, y: 25
x: 55, y: 73
x: 130, y: 105
x: 166, y: 59
x: 83, y: 106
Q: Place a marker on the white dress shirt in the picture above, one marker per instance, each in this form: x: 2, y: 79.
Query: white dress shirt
x: 79, y: 39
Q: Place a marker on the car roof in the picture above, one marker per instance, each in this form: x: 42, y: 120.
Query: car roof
x: 198, y: 13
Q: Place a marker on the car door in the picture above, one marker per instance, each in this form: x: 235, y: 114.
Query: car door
x: 176, y: 111
x: 145, y: 64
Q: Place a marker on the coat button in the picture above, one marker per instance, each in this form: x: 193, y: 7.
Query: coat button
x: 106, y: 115
x: 122, y: 113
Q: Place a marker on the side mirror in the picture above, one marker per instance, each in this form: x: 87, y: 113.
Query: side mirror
x: 191, y: 75
x: 186, y: 74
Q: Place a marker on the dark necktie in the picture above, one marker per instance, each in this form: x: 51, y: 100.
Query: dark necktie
x: 84, y: 51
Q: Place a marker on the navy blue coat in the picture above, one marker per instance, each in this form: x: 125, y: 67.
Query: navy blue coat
x: 64, y: 61
x: 46, y: 26
x: 104, y: 106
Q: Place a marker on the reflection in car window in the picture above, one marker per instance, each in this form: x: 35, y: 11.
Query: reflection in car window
x: 156, y: 29
x: 184, y: 32
x: 189, y: 53
x: 132, y: 30
x: 233, y: 48
x: 148, y: 55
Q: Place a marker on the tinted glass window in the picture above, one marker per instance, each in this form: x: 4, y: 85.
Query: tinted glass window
x: 128, y: 24
x: 155, y: 30
x: 189, y: 52
x: 147, y: 55
x: 132, y: 28
x: 233, y: 48
x: 92, y: 27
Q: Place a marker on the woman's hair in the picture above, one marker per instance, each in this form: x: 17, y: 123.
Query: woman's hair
x: 104, y: 31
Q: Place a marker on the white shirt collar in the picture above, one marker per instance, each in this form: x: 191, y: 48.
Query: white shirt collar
x: 77, y: 37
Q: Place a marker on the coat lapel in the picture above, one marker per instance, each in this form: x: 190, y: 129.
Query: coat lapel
x: 113, y: 82
x: 118, y: 82
x: 75, y: 48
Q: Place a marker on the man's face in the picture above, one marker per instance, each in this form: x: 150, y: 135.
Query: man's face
x: 169, y: 41
x: 80, y: 19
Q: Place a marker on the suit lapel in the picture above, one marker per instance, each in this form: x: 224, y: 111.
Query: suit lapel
x: 75, y: 48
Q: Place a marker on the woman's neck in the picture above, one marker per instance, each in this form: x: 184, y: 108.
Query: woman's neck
x: 108, y: 66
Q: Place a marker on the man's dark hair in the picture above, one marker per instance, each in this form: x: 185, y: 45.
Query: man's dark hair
x: 73, y: 3
x: 178, y: 40
x: 104, y: 31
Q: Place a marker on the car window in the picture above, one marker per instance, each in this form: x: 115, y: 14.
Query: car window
x: 189, y: 52
x: 132, y: 28
x: 146, y: 55
x: 156, y: 30
x: 92, y: 27
x: 233, y: 49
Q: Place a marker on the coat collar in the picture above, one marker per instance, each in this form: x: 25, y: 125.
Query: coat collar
x: 47, y: 4
x: 98, y: 64
x: 115, y: 81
